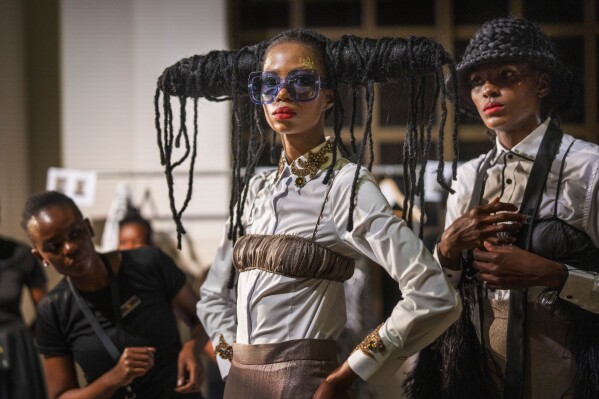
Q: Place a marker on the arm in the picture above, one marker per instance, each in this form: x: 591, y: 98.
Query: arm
x: 189, y: 367
x: 337, y: 383
x: 216, y: 308
x: 430, y: 305
x: 507, y: 267
x: 62, y: 382
x: 37, y: 294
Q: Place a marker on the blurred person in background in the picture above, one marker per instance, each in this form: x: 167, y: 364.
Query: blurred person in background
x: 135, y: 231
x: 20, y: 372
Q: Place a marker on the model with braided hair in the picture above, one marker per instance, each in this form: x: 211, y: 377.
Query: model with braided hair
x: 530, y: 329
x: 293, y: 233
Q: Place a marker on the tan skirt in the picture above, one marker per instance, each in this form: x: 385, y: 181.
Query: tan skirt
x: 550, y: 368
x: 292, y: 369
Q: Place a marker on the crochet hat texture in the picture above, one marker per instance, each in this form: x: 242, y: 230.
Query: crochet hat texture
x: 507, y: 39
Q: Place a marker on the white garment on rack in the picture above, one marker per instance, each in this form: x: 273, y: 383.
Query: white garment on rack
x: 116, y: 212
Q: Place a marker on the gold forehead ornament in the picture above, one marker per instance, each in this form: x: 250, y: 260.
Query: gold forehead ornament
x: 307, y: 62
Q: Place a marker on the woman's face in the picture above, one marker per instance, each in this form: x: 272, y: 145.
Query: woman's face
x: 284, y: 115
x: 131, y: 236
x: 508, y: 95
x: 63, y: 239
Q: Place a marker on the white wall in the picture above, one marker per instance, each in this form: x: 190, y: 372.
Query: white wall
x: 112, y: 54
x: 13, y: 120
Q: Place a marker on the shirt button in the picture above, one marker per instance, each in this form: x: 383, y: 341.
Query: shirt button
x: 509, y: 181
x: 510, y: 156
x: 569, y: 297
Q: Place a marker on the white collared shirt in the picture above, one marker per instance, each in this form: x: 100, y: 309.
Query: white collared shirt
x: 578, y: 200
x: 271, y: 308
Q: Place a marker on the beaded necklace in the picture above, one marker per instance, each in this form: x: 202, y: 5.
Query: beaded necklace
x: 310, y: 166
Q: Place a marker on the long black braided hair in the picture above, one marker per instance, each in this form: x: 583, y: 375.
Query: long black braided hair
x: 352, y: 61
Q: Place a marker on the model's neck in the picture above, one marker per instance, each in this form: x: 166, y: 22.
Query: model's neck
x: 510, y: 138
x: 296, y: 145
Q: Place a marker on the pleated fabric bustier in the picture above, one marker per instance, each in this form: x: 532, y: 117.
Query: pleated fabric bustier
x: 291, y: 256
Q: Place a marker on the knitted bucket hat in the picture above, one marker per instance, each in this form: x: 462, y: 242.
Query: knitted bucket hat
x: 508, y: 39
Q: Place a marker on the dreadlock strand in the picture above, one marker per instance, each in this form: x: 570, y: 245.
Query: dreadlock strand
x: 352, y: 198
x: 191, y: 165
x: 182, y: 132
x: 456, y: 122
x: 368, y: 131
x: 157, y: 124
x: 354, y: 106
x: 441, y: 146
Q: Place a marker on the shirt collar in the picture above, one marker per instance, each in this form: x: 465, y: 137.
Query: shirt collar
x: 528, y: 147
x: 284, y: 165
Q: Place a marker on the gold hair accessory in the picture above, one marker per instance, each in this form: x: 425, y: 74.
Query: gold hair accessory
x: 312, y: 165
x: 223, y: 349
x: 372, y: 343
x: 307, y: 62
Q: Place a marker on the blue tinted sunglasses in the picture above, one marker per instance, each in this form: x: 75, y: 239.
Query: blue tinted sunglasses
x: 303, y: 85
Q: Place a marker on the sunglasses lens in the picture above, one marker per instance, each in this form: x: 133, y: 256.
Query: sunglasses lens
x: 269, y: 85
x: 304, y: 86
x: 263, y: 87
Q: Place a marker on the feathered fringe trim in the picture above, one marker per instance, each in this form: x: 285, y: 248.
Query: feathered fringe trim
x: 455, y: 366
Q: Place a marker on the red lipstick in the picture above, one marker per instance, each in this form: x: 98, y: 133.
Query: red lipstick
x: 492, y: 107
x: 283, y: 113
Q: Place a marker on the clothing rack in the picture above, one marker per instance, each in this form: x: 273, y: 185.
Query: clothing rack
x: 377, y: 171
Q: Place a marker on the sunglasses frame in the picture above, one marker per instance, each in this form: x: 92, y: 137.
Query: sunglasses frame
x: 283, y: 82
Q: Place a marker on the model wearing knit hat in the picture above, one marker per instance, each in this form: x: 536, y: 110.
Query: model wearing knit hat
x: 515, y: 40
x: 521, y: 235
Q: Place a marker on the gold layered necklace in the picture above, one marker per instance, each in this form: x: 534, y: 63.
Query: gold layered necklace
x: 310, y: 166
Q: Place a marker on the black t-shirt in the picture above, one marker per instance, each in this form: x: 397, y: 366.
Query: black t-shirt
x: 146, y: 274
x: 18, y: 268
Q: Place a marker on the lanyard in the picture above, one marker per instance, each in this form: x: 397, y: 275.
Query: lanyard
x: 93, y: 321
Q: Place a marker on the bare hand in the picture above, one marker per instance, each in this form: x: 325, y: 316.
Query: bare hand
x: 134, y: 362
x: 327, y: 390
x: 189, y: 369
x: 508, y: 267
x: 478, y: 225
x: 335, y: 386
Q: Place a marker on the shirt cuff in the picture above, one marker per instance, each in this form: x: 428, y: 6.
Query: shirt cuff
x: 453, y: 276
x: 582, y: 289
x: 223, y: 351
x: 223, y: 366
x: 367, y: 364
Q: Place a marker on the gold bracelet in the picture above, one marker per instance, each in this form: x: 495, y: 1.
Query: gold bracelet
x: 372, y: 343
x: 223, y: 349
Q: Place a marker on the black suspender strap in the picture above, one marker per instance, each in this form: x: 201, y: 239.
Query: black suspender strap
x: 100, y: 332
x: 477, y: 315
x: 516, y: 330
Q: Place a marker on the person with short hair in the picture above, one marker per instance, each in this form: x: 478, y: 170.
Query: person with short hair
x: 20, y: 372
x: 130, y: 294
x: 134, y: 231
